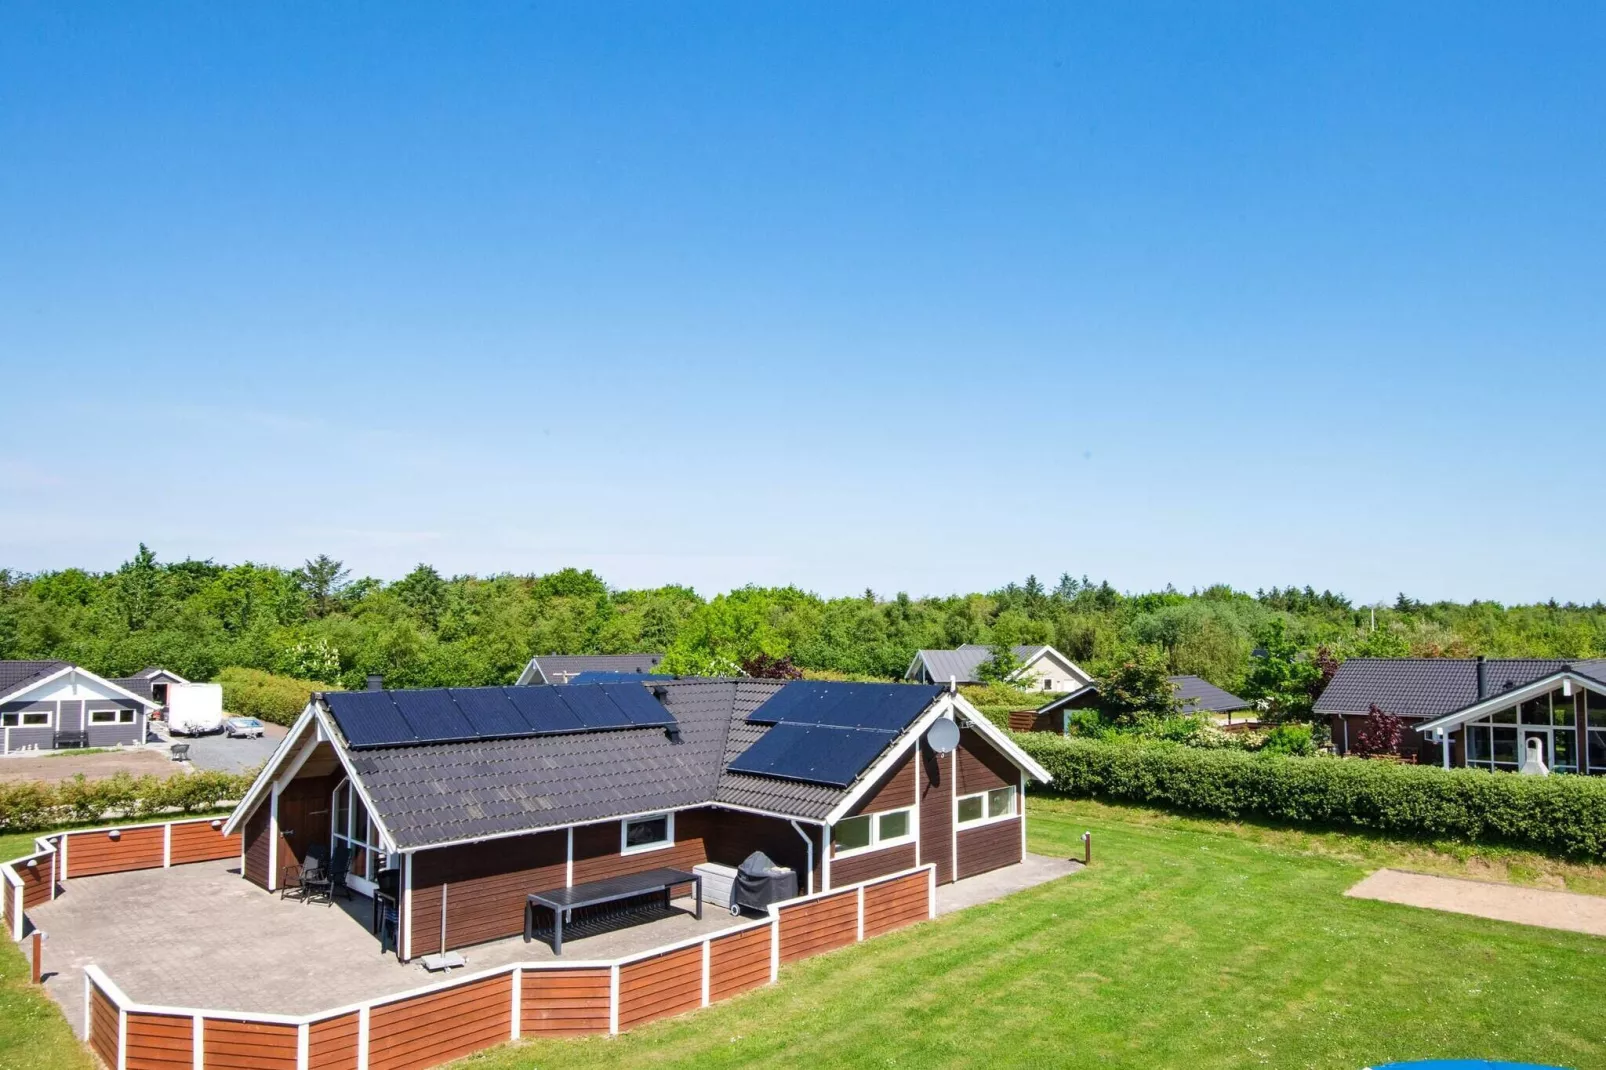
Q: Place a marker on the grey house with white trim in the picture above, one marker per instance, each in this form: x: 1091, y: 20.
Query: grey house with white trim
x: 50, y: 705
x: 1042, y: 667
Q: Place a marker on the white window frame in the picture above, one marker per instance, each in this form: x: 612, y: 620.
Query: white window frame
x: 117, y: 716
x: 624, y: 834
x: 876, y: 842
x: 987, y: 818
x: 23, y: 722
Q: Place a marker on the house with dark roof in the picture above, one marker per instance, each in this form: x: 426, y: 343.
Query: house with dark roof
x: 151, y: 682
x: 562, y: 668
x: 1197, y: 695
x: 50, y: 705
x: 1486, y: 713
x: 1042, y: 667
x: 471, y: 799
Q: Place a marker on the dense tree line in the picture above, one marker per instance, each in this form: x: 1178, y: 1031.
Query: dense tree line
x: 317, y: 622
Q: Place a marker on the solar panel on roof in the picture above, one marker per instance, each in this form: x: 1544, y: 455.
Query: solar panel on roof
x: 637, y: 703
x: 546, y: 712
x: 885, y: 707
x: 817, y: 754
x: 598, y: 676
x: 595, y: 709
x: 433, y: 715
x: 369, y: 718
x: 490, y: 713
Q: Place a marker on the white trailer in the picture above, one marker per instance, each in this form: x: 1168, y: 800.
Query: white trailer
x: 194, y: 709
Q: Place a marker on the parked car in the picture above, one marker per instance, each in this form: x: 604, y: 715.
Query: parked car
x: 242, y: 727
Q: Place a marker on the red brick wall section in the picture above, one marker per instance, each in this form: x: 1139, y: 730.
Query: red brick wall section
x: 738, y: 963
x: 93, y: 852
x: 103, y: 1026
x: 441, y: 1026
x: 160, y: 1041
x: 819, y: 925
x: 896, y: 903
x: 661, y: 986
x: 332, y: 1043
x: 198, y: 841
x: 227, y: 1044
x: 564, y: 1002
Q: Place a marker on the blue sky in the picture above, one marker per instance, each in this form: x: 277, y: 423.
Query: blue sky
x: 913, y: 297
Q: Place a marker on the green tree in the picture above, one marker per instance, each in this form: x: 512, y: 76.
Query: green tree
x: 1281, y: 679
x: 322, y: 578
x: 424, y: 592
x: 138, y: 588
x: 1000, y: 666
x: 1138, y: 691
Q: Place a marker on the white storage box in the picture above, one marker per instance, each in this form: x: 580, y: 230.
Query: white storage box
x: 717, y: 882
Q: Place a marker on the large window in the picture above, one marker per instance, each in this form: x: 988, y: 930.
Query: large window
x: 355, y: 832
x: 111, y: 716
x: 984, y: 806
x: 1500, y: 740
x: 650, y: 833
x: 26, y: 719
x: 871, y: 832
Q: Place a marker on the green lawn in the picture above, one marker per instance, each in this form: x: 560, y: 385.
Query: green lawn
x: 1188, y: 944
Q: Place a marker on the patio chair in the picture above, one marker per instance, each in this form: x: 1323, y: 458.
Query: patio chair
x: 339, y: 865
x: 315, y: 880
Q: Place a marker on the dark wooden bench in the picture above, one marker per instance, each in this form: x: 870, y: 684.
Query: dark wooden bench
x: 564, y: 901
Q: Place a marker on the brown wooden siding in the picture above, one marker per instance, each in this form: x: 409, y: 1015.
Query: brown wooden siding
x: 896, y: 903
x: 35, y: 881
x: 988, y: 847
x: 103, y: 1026
x: 937, y: 812
x: 1033, y: 721
x: 894, y: 790
x: 232, y: 1045
x: 872, y: 864
x: 198, y: 841
x: 486, y: 885
x: 661, y: 986
x: 441, y: 1026
x: 981, y: 766
x: 564, y: 1002
x: 304, y: 816
x: 256, y: 846
x: 738, y: 963
x: 729, y: 836
x: 819, y: 925
x: 160, y: 1042
x: 89, y: 853
x: 332, y: 1043
x: 597, y: 857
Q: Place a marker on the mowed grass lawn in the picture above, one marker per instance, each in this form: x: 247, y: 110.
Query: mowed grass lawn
x: 1187, y: 944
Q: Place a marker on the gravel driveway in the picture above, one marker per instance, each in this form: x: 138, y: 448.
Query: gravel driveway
x: 227, y: 755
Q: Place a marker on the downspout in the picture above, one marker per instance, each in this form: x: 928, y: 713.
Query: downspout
x: 808, y: 843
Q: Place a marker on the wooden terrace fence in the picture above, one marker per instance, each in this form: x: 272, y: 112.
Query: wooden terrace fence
x: 435, y: 1024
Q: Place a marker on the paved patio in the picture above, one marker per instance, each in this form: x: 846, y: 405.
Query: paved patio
x: 200, y: 936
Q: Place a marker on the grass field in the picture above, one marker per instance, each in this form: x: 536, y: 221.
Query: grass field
x: 1195, y: 944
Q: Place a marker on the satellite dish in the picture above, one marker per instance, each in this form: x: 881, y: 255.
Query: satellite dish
x: 943, y: 735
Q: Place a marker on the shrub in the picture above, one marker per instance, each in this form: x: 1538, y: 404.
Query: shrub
x: 1379, y: 732
x: 276, y: 699
x: 1560, y: 814
x: 1294, y: 739
x: 31, y: 806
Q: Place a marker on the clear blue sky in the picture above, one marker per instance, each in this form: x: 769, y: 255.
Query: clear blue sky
x: 906, y: 296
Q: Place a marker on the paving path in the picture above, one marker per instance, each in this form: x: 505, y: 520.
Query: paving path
x: 1502, y: 902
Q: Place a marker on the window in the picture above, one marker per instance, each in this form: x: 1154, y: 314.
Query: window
x: 111, y: 716
x: 1047, y: 683
x: 647, y: 833
x: 353, y: 831
x: 40, y: 719
x: 994, y: 805
x: 1499, y: 741
x: 871, y: 832
x: 8, y: 720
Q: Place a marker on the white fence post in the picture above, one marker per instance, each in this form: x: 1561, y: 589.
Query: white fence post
x: 303, y: 1042
x: 707, y: 956
x: 198, y: 1043
x: 775, y: 945
x: 613, y: 999
x: 931, y: 893
x: 518, y: 1000
x: 167, y: 846
x: 362, y: 1038
x: 861, y: 913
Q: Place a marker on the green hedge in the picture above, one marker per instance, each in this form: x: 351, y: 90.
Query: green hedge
x: 276, y: 699
x: 27, y: 806
x: 1558, y: 814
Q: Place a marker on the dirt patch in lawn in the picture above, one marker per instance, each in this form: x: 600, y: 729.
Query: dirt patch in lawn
x: 1502, y: 902
x: 57, y: 768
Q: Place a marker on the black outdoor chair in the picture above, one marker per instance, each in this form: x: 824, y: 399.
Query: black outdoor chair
x: 339, y: 865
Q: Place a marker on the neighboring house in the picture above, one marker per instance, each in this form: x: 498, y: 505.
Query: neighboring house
x: 1488, y: 709
x: 1196, y: 695
x: 1042, y: 667
x: 152, y: 682
x: 48, y: 705
x: 561, y: 668
x: 517, y: 790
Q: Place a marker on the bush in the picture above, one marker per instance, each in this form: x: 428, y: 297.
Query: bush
x: 1559, y: 814
x: 276, y: 699
x: 31, y: 806
x: 1293, y: 739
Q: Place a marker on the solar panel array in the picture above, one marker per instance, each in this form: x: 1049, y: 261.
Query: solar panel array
x: 599, y: 676
x: 830, y: 733
x: 456, y: 714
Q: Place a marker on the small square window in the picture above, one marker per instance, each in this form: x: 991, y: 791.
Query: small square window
x: 852, y: 833
x: 1001, y: 802
x: 647, y: 833
x: 8, y: 720
x: 972, y: 808
x: 893, y: 826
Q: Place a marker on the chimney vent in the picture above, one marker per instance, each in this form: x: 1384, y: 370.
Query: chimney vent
x: 1483, y: 679
x: 376, y: 682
